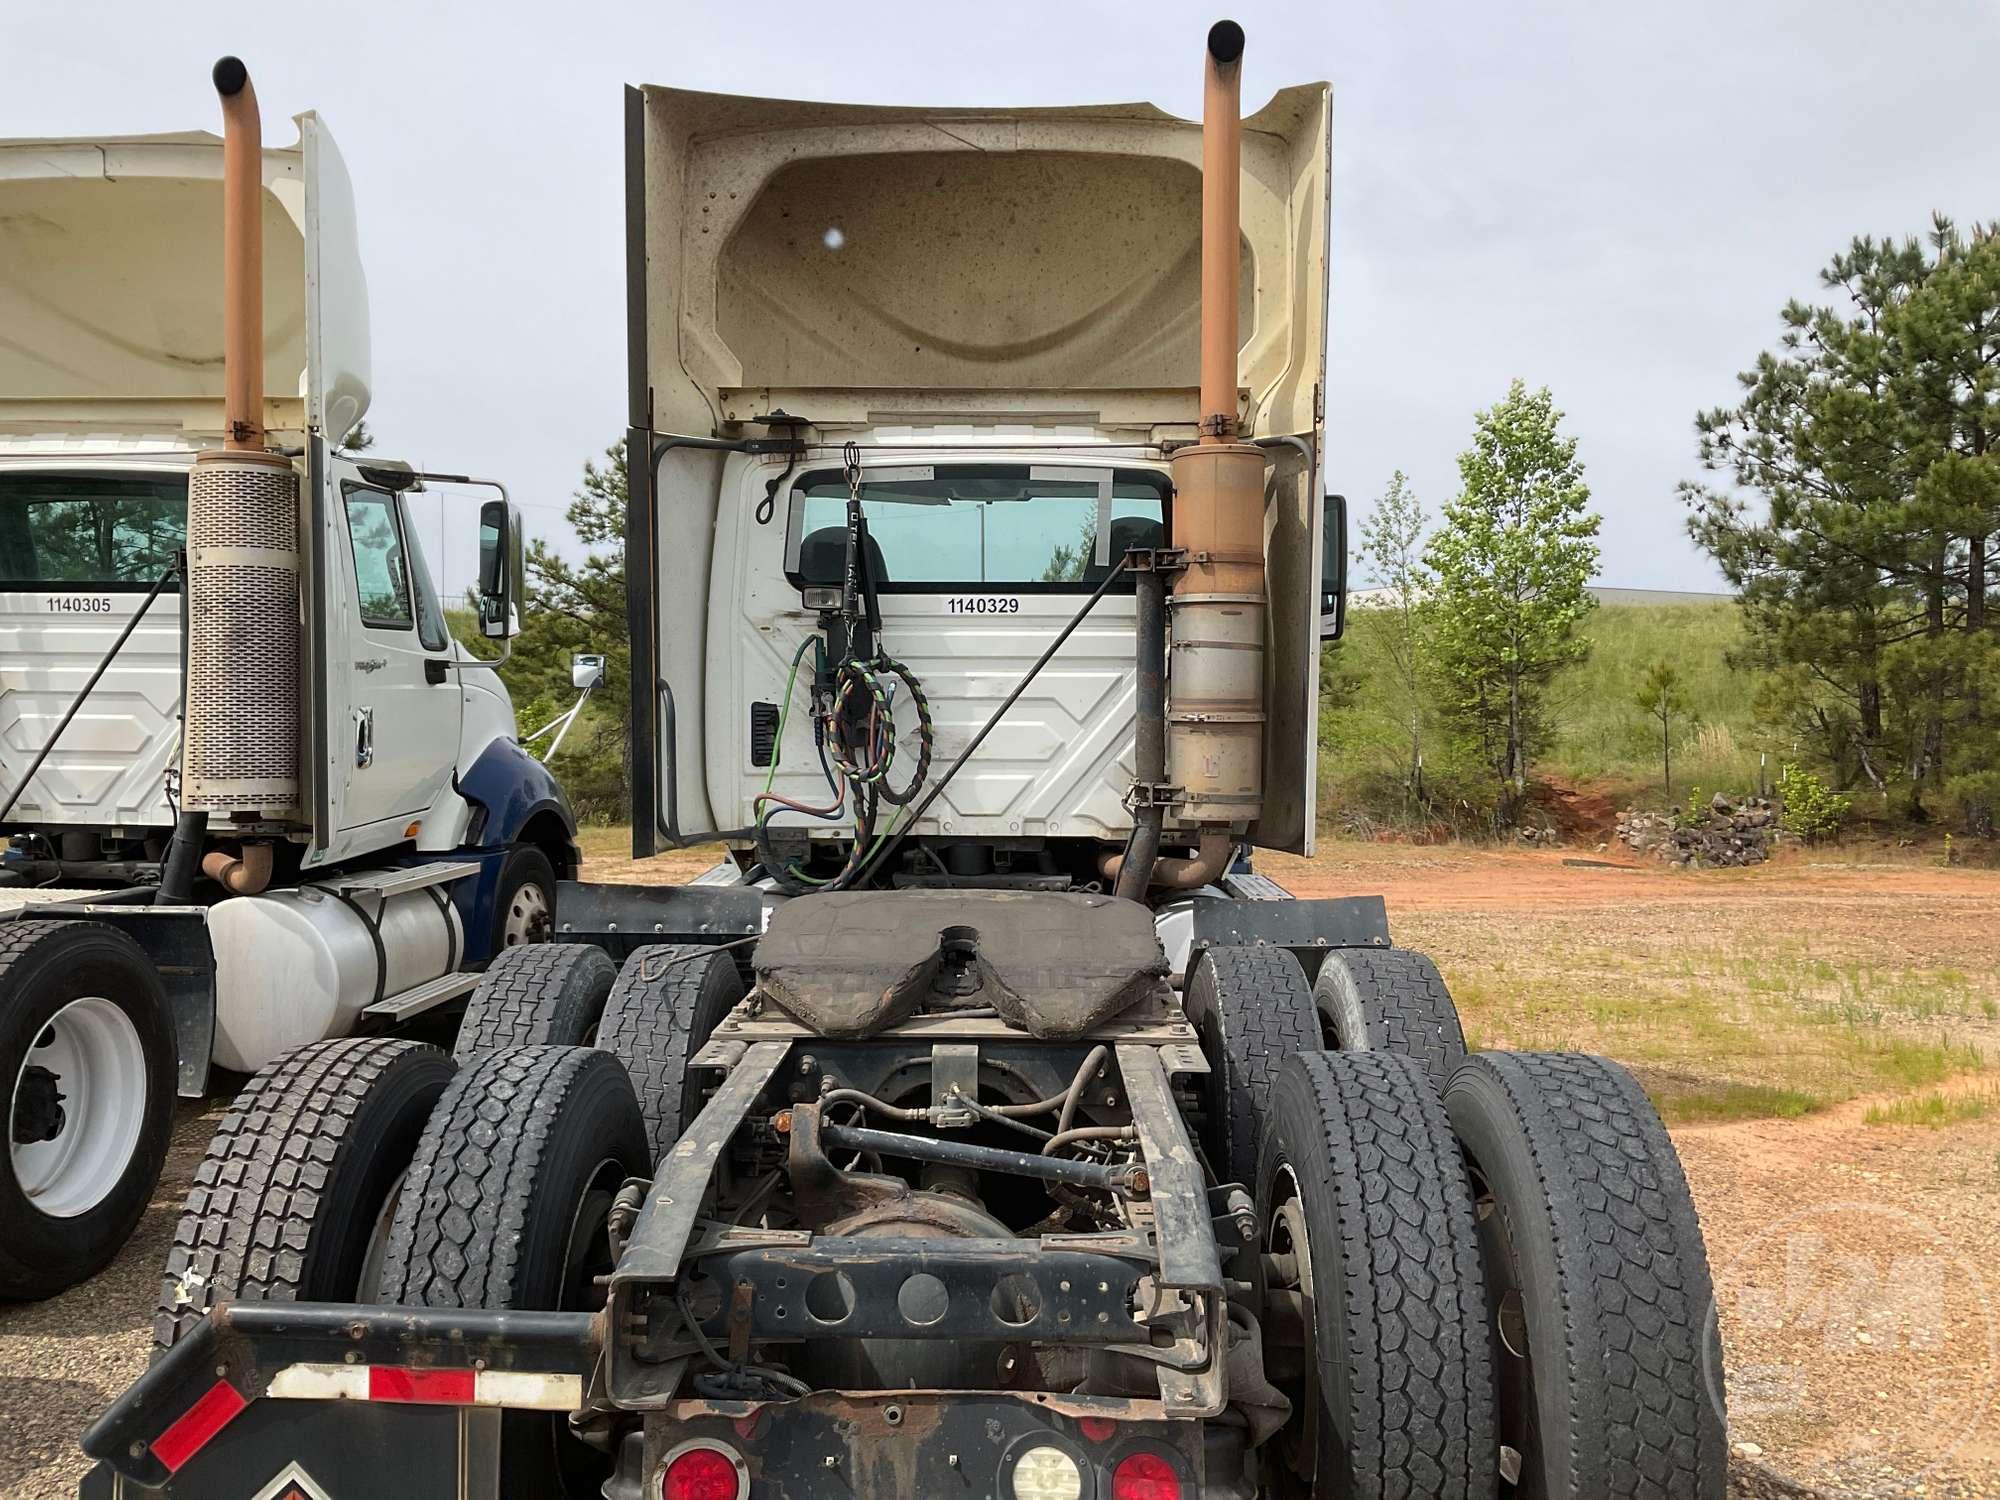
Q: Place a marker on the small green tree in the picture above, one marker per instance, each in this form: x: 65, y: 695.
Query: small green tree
x: 1811, y: 810
x: 580, y: 606
x: 1512, y: 562
x: 1663, y: 696
x: 1392, y: 548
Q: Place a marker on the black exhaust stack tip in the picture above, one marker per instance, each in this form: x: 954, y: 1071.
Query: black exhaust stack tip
x: 230, y: 75
x: 1225, y: 42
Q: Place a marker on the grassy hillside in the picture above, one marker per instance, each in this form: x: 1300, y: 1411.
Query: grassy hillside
x: 1600, y: 736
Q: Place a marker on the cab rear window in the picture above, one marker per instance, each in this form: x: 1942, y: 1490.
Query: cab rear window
x: 82, y: 531
x: 962, y: 528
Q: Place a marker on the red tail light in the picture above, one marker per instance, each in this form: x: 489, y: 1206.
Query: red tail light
x: 1145, y: 1476
x: 703, y: 1472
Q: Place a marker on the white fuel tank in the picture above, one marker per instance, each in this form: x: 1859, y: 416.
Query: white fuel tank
x: 299, y: 966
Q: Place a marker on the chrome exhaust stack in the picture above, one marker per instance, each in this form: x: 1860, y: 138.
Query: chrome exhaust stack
x: 240, y: 746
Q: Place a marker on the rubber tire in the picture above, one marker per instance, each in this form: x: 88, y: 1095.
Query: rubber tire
x: 526, y: 865
x: 1252, y: 1009
x: 296, y: 1178
x: 1406, y: 1393
x: 1389, y: 1000
x: 44, y: 966
x: 516, y: 1146
x: 1624, y: 1362
x: 668, y: 1000
x: 538, y: 994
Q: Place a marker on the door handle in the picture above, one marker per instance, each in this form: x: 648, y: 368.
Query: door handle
x: 436, y: 670
x: 364, y: 737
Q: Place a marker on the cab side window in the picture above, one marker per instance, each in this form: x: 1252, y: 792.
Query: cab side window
x: 430, y: 618
x: 380, y: 575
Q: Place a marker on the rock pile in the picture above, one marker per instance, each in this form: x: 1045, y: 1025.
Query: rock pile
x: 1727, y: 832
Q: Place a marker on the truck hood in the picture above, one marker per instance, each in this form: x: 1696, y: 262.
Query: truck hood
x: 882, y: 266
x: 111, y: 287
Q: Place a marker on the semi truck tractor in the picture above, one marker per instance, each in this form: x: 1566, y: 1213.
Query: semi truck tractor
x: 257, y: 794
x: 983, y: 1123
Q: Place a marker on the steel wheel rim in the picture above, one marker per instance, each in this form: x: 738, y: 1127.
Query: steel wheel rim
x: 1513, y: 1362
x: 528, y: 916
x: 99, y: 1062
x: 1295, y: 1447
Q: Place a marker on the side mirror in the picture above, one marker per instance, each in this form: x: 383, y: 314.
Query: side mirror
x: 586, y: 671
x: 1333, y: 569
x: 501, y: 575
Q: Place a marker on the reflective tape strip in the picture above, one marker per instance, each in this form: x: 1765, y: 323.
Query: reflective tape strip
x: 211, y: 1412
x: 533, y: 1390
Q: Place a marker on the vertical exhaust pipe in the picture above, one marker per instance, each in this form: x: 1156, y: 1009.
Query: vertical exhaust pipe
x: 1215, y: 714
x: 242, y: 258
x: 240, y: 744
x: 1221, y: 232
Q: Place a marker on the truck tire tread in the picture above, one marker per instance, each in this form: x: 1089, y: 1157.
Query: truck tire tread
x: 479, y: 1174
x: 536, y: 994
x: 1390, y: 1000
x: 247, y: 1229
x: 1627, y: 1394
x: 1366, y: 1137
x: 668, y: 999
x: 1253, y: 1009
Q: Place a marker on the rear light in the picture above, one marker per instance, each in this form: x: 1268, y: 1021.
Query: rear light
x: 1097, y: 1429
x: 1145, y: 1476
x: 703, y: 1471
x: 1046, y: 1472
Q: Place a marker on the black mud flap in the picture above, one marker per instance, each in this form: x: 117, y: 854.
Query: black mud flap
x: 321, y: 1401
x: 1310, y: 929
x: 330, y: 1450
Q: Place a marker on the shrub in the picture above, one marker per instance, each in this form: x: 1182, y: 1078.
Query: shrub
x: 1813, y: 811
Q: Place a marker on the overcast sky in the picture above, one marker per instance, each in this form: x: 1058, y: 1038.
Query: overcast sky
x: 1612, y: 200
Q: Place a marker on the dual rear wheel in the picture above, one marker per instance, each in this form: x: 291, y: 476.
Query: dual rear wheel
x: 1483, y: 1274
x: 382, y: 1170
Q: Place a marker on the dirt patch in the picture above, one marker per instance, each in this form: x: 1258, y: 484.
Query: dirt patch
x: 1821, y: 1228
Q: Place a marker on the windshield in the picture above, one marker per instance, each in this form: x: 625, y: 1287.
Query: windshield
x: 90, y: 530
x: 947, y: 527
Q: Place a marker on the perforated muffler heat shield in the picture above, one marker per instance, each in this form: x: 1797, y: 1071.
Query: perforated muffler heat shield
x: 240, y: 750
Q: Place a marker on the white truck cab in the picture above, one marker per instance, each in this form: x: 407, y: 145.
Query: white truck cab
x: 144, y: 937
x: 996, y: 311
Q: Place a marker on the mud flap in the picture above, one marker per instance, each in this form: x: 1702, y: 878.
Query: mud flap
x: 331, y: 1450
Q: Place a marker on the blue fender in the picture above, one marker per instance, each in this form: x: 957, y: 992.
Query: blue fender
x: 513, y: 795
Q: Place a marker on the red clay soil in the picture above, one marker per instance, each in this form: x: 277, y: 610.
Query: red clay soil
x: 1458, y: 878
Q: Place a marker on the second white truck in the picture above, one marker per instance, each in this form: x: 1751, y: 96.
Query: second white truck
x: 256, y: 792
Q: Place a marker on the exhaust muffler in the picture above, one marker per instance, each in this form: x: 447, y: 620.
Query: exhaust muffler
x: 1212, y: 750
x: 240, y: 746
x: 1215, y: 712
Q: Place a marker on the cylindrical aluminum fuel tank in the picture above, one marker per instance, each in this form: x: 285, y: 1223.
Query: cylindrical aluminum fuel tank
x: 299, y: 966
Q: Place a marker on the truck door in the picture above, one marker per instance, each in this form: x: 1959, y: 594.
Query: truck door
x: 394, y: 747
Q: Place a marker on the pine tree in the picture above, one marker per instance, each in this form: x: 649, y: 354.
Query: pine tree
x: 1512, y: 562
x: 1663, y: 696
x: 1863, y: 512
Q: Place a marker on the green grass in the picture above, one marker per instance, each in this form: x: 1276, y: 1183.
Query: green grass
x: 1599, y: 734
x: 1736, y: 1027
x: 1932, y: 1111
x: 1602, y: 735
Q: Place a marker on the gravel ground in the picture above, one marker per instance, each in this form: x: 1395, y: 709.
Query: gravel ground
x: 62, y: 1362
